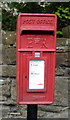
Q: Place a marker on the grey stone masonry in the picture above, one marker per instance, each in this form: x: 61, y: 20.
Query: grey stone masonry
x: 66, y: 31
x: 10, y: 108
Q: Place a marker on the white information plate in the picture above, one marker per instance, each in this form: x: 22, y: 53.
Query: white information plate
x: 36, y: 74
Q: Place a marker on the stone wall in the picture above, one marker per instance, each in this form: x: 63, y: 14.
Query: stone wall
x: 8, y: 79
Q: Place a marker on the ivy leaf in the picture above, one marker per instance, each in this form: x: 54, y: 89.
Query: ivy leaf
x: 59, y: 32
x: 68, y: 17
x: 57, y: 13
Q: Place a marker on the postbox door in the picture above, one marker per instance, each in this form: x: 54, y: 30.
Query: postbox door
x: 39, y: 93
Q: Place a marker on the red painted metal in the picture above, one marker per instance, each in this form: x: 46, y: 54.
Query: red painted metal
x: 35, y: 33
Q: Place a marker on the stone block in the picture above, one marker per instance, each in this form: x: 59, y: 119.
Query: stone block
x: 61, y: 91
x: 8, y: 55
x: 10, y: 102
x: 66, y: 32
x: 6, y: 88
x: 67, y: 72
x: 23, y: 113
x: 0, y: 36
x: 62, y: 49
x: 50, y: 108
x: 15, y: 108
x: 5, y: 111
x: 13, y: 90
x: 1, y: 112
x: 59, y: 116
x: 8, y: 37
x: 59, y: 71
x: 3, y: 98
x: 0, y: 70
x: 41, y: 113
x: 22, y: 107
x: 4, y: 80
x: 0, y: 54
x: 0, y: 90
x: 14, y: 114
x: 8, y: 71
x: 62, y: 42
x: 62, y: 59
x: 62, y: 71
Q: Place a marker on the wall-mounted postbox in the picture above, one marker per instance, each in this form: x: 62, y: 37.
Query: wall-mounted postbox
x: 36, y: 51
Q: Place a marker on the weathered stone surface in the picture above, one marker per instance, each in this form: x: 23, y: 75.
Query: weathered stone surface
x: 3, y: 98
x: 8, y: 55
x: 67, y: 72
x: 5, y: 111
x: 23, y: 113
x: 61, y: 91
x: 0, y: 35
x: 62, y: 71
x: 13, y: 90
x: 51, y: 108
x: 62, y: 42
x: 16, y: 108
x: 8, y: 71
x: 62, y: 59
x: 8, y: 37
x: 1, y: 102
x: 62, y: 114
x: 0, y: 54
x: 9, y: 102
x: 41, y: 113
x: 15, y: 114
x: 59, y: 71
x: 0, y: 90
x: 62, y: 49
x: 22, y: 107
x: 4, y: 80
x: 0, y: 70
x: 66, y: 32
x: 6, y: 89
x: 0, y: 111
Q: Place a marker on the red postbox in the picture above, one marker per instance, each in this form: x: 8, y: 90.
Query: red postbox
x: 36, y: 52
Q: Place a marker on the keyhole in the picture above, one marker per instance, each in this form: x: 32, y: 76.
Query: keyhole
x: 25, y: 77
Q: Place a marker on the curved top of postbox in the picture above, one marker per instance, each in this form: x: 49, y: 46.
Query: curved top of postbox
x: 30, y: 21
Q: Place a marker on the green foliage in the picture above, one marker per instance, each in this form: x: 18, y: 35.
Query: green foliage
x: 9, y: 20
x: 59, y: 32
x: 61, y: 9
x: 63, y: 18
x: 63, y: 14
x: 29, y: 7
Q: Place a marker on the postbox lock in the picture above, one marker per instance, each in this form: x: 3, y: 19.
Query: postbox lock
x: 25, y: 76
